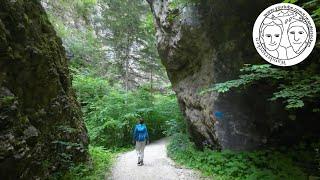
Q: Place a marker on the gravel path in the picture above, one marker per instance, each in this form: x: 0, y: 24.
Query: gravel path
x: 157, y: 166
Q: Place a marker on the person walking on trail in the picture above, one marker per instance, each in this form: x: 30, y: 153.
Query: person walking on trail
x: 141, y: 138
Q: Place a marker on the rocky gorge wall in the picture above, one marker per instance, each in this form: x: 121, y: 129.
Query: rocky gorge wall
x: 208, y: 42
x: 42, y: 130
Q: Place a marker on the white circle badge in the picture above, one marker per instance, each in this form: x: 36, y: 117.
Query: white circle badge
x: 284, y: 34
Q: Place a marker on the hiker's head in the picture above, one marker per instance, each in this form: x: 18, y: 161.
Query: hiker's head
x: 141, y: 121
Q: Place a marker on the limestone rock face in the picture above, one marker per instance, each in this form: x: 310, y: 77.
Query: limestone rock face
x: 205, y: 43
x: 42, y: 130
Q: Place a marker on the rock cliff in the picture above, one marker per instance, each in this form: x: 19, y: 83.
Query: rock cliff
x: 42, y: 130
x: 208, y: 42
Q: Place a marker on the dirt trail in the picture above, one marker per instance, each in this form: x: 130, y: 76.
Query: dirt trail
x: 156, y: 166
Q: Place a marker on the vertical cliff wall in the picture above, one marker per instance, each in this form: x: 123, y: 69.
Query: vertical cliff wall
x: 208, y: 42
x: 41, y: 126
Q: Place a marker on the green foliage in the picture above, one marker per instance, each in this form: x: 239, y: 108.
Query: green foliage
x: 318, y: 157
x: 314, y: 7
x: 265, y: 164
x: 131, y: 27
x: 148, y: 25
x: 175, y: 4
x: 166, y: 108
x: 65, y: 143
x: 71, y: 22
x: 294, y: 86
x: 115, y: 39
x: 7, y: 100
x: 85, y: 7
x: 83, y: 45
x: 66, y: 129
x: 82, y: 8
x: 111, y: 113
x: 254, y: 73
x: 290, y: 1
x: 101, y: 161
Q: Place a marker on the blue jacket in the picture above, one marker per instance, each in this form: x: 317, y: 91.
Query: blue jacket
x: 140, y: 132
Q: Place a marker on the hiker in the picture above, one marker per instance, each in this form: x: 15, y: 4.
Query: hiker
x: 141, y: 138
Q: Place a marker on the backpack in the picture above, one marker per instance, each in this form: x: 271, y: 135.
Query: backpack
x: 141, y: 132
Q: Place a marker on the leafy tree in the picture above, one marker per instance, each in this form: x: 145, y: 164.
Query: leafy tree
x: 111, y: 39
x: 111, y: 113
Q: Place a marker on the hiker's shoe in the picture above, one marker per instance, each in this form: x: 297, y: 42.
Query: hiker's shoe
x: 141, y: 163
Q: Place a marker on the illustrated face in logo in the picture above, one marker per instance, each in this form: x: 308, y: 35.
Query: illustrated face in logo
x: 298, y: 35
x: 284, y: 34
x: 272, y: 37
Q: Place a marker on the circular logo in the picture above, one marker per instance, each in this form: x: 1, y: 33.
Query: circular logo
x: 284, y: 34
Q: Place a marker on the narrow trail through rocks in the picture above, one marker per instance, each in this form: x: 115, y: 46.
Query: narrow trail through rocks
x: 157, y: 166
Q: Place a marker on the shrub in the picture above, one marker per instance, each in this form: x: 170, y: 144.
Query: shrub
x: 96, y: 169
x: 110, y: 113
x: 264, y: 164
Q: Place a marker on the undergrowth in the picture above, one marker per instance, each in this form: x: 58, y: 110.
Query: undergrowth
x: 95, y: 169
x: 264, y: 164
x: 110, y: 113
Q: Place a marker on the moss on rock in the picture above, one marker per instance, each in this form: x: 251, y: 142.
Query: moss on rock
x: 36, y: 97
